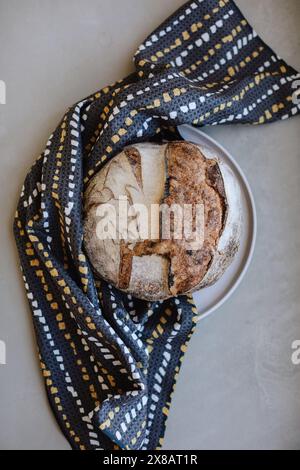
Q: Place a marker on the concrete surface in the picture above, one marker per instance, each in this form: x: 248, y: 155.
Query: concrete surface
x: 238, y: 388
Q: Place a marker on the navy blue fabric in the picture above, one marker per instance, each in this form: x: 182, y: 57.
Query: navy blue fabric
x: 110, y: 361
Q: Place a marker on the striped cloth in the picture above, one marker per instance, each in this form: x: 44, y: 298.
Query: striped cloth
x: 110, y: 361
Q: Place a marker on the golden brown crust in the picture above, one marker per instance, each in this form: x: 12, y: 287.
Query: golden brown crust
x: 125, y: 267
x: 134, y: 158
x: 192, y: 179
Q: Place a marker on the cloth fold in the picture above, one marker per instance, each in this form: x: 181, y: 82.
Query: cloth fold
x: 110, y: 361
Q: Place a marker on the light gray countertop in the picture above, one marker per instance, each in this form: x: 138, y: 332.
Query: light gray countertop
x: 238, y: 388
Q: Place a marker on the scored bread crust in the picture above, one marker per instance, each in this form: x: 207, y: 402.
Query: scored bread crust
x: 175, y: 172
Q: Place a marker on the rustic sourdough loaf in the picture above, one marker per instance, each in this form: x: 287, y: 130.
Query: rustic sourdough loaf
x: 157, y: 267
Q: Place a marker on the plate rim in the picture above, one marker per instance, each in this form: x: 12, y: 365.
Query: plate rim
x: 250, y: 195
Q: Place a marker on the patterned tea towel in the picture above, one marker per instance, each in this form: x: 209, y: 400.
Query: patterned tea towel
x: 110, y: 361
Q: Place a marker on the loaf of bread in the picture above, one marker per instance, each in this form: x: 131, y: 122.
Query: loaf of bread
x: 153, y: 266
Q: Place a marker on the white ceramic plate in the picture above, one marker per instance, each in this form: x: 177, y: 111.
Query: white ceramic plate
x: 211, y: 298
